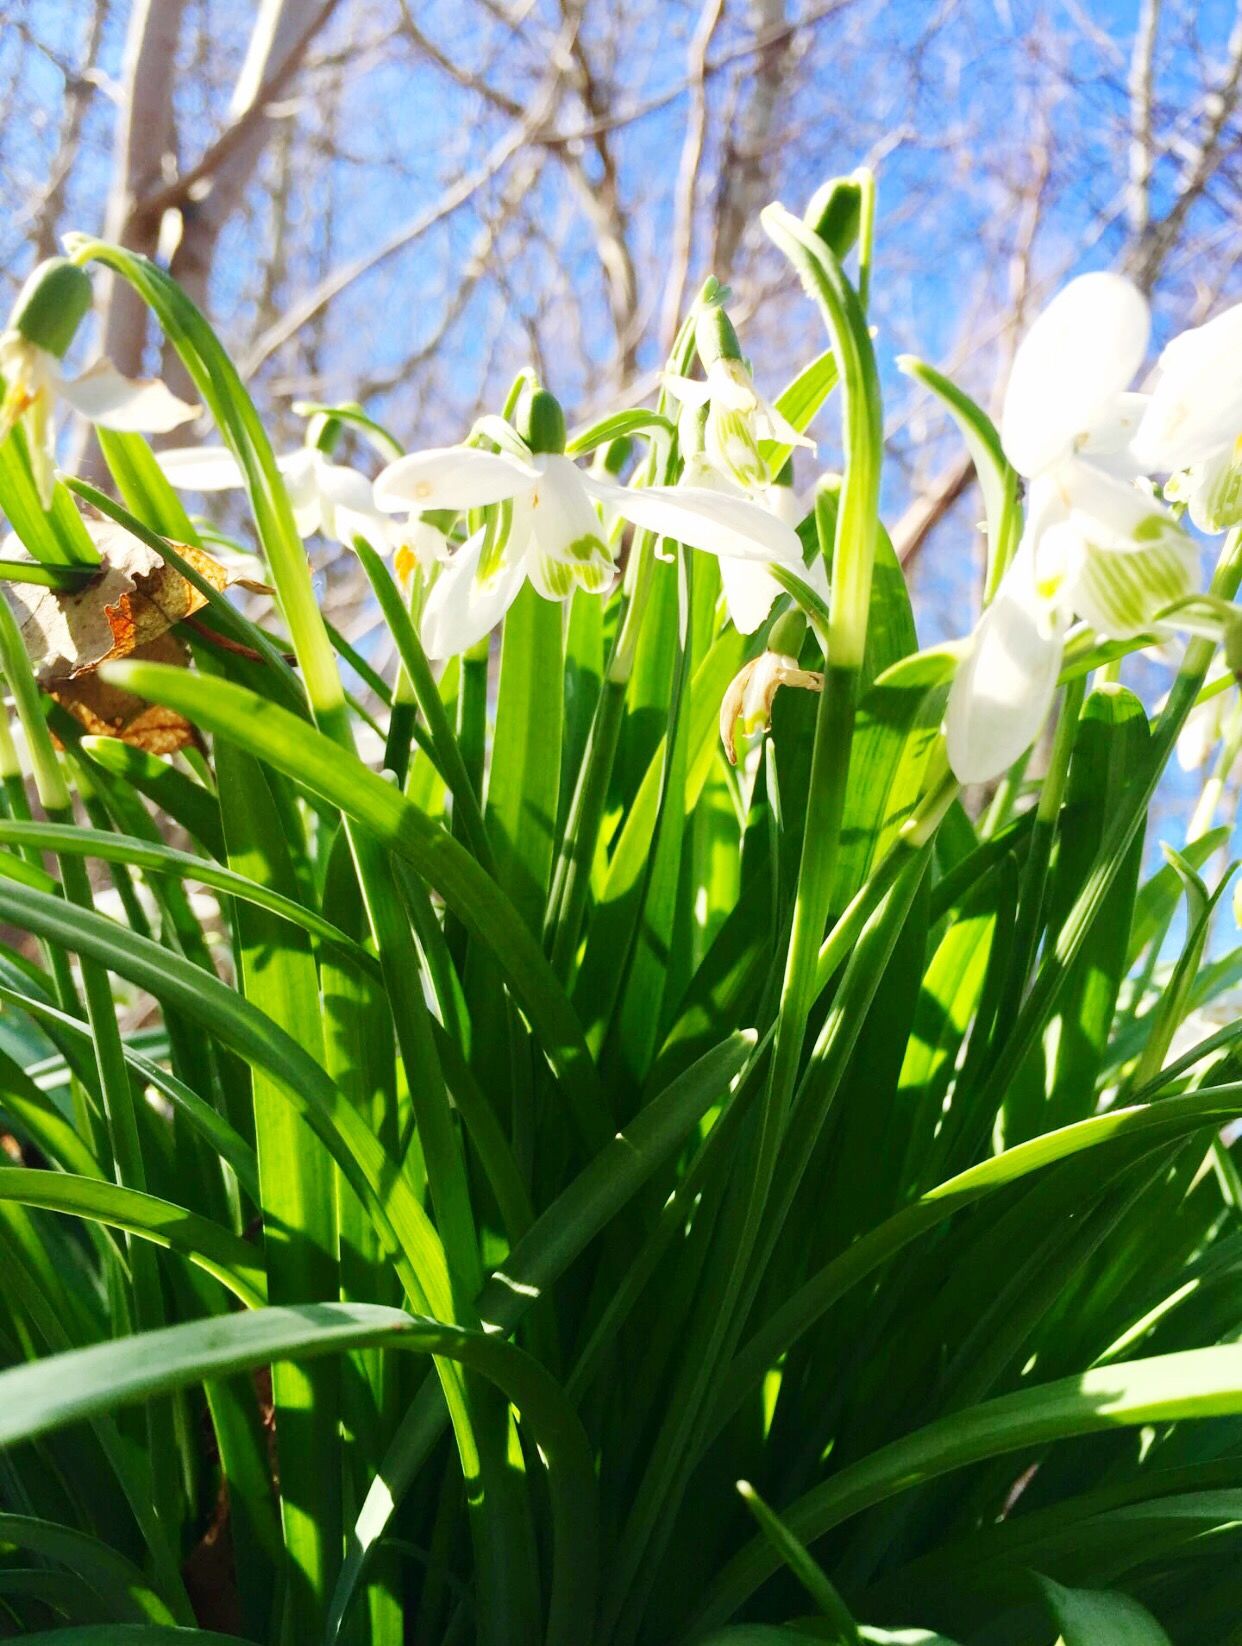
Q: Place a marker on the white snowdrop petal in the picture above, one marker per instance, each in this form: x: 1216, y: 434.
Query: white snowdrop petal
x: 1080, y: 353
x: 1003, y: 692
x: 127, y: 404
x: 749, y: 590
x: 717, y: 522
x: 1196, y: 405
x: 690, y: 391
x: 451, y: 477
x: 460, y: 609
x: 201, y: 468
x: 778, y: 427
x: 1216, y: 491
x: 345, y: 487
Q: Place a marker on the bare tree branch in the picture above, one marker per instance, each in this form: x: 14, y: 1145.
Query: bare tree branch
x: 450, y: 201
x: 80, y: 86
x: 1142, y: 147
x: 1219, y: 104
x: 145, y: 144
x: 278, y: 44
x: 688, y: 172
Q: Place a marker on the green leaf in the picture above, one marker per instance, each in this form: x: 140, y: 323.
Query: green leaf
x: 388, y: 1196
x: 155, y: 858
x: 558, y: 1237
x: 132, y: 1634
x: 1157, y: 900
x: 1171, y: 1118
x: 188, y: 803
x: 274, y: 735
x: 56, y: 537
x: 997, y: 478
x: 144, y: 486
x: 120, y: 1584
x: 619, y: 900
x: 523, y: 787
x: 842, y: 1629
x: 216, y: 1131
x: 47, y: 1394
x: 1097, y: 1617
x: 798, y: 402
x: 1196, y: 1383
x: 1057, y: 1082
x: 217, y: 1250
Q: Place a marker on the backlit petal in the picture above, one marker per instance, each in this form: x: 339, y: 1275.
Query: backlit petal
x: 127, y: 404
x: 1081, y: 352
x: 451, y: 477
x: 567, y: 543
x: 717, y: 522
x: 201, y: 468
x: 1216, y: 491
x: 1196, y: 405
x: 344, y: 487
x: 460, y: 609
x: 1002, y: 693
x: 690, y: 391
x: 749, y: 590
x: 776, y: 426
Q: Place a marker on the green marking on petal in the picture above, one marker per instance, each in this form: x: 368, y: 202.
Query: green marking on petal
x: 557, y: 577
x: 586, y: 548
x: 1123, y: 591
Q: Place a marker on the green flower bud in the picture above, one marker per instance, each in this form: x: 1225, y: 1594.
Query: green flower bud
x: 540, y: 420
x: 835, y: 214
x: 787, y: 633
x: 715, y: 337
x: 51, y: 305
x: 324, y: 433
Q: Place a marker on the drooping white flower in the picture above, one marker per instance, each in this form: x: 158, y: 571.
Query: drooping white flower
x: 1003, y: 691
x: 35, y: 379
x: 748, y: 584
x: 327, y: 497
x: 1192, y: 427
x: 1096, y: 544
x: 738, y: 416
x: 554, y: 535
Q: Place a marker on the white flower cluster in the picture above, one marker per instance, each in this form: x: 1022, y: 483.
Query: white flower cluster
x: 1102, y: 465
x: 1097, y: 544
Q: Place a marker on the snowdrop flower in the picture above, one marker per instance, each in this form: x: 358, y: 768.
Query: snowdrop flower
x: 738, y: 416
x: 1096, y: 544
x: 327, y: 497
x: 547, y: 529
x: 1192, y: 427
x: 748, y: 584
x: 49, y: 309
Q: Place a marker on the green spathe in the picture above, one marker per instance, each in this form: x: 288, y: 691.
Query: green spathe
x: 52, y: 305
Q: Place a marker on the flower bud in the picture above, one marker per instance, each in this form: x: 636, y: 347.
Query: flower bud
x: 324, y: 432
x: 715, y: 338
x: 835, y: 213
x: 540, y: 420
x: 51, y: 305
x: 787, y: 633
x: 748, y: 698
